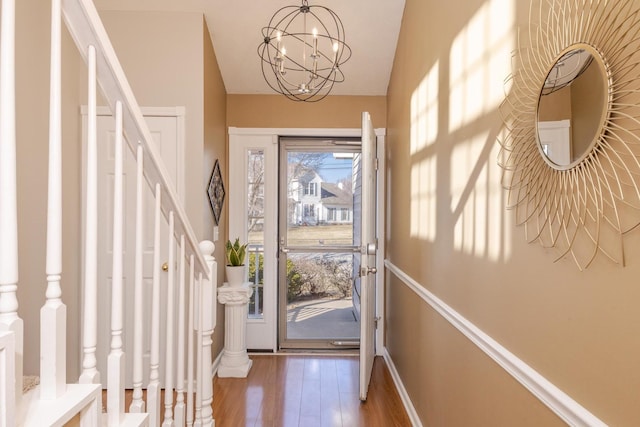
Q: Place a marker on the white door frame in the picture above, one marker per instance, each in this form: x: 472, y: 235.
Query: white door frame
x: 557, y: 136
x: 237, y: 201
x: 178, y: 112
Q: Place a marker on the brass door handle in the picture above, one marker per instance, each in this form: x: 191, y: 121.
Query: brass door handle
x: 165, y: 266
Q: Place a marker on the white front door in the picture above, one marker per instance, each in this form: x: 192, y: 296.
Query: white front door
x: 166, y: 126
x: 368, y: 250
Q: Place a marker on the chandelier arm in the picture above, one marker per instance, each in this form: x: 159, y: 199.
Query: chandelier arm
x: 294, y: 12
x: 288, y: 60
x: 280, y: 88
x: 297, y: 37
x: 334, y: 70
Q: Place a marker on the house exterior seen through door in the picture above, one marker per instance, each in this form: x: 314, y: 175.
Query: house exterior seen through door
x: 318, y: 251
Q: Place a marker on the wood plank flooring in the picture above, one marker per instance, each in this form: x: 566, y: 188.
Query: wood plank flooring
x: 307, y: 391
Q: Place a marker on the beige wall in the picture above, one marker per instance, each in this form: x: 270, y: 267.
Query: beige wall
x: 162, y: 56
x: 577, y: 329
x: 556, y: 105
x: 587, y: 104
x: 215, y: 148
x: 276, y: 111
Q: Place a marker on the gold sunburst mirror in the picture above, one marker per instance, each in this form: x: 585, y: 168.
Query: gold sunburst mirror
x: 571, y: 139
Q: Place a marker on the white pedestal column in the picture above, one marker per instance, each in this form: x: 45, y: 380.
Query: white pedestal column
x: 235, y: 362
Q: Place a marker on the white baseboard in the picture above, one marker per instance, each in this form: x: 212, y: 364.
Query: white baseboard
x: 404, y: 396
x: 555, y: 399
x: 216, y: 364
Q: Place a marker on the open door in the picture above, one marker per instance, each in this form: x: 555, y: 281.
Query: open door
x: 367, y: 255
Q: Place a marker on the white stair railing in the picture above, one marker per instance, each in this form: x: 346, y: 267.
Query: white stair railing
x: 53, y: 315
x: 153, y: 390
x: 90, y: 374
x: 137, y: 403
x: 169, y: 349
x: 180, y: 416
x: 7, y: 373
x: 9, y: 320
x: 207, y: 326
x: 190, y: 315
x: 91, y: 39
x: 116, y: 358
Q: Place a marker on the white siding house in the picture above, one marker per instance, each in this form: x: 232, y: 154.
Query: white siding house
x: 315, y: 202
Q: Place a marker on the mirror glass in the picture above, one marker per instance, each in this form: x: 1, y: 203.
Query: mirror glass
x: 572, y: 107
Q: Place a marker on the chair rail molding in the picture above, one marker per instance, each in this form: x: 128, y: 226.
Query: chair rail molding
x: 555, y: 399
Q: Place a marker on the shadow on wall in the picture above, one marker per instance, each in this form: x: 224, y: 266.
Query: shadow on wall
x: 456, y: 196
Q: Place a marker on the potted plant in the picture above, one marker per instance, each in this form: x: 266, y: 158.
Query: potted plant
x: 236, y: 255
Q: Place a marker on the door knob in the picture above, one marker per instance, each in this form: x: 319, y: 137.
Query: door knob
x: 367, y: 270
x: 165, y: 266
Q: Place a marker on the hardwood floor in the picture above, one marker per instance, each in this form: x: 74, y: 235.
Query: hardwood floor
x: 307, y: 391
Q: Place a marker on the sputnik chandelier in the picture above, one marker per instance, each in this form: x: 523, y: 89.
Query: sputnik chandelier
x: 302, y: 50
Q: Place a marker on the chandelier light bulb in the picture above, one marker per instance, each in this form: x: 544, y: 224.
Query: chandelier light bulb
x: 281, y: 69
x: 315, y: 43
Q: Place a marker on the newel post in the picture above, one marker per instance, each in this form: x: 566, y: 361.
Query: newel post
x: 207, y: 312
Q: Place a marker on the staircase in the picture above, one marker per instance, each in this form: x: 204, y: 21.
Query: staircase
x: 190, y: 315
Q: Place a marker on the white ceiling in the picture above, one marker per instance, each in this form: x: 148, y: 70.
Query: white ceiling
x: 371, y: 29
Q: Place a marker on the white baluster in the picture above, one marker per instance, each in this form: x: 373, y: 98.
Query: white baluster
x: 7, y: 388
x: 137, y: 404
x: 116, y: 359
x: 180, y: 409
x: 207, y: 304
x: 153, y: 390
x: 90, y: 374
x: 169, y: 348
x: 9, y: 320
x: 190, y: 331
x: 53, y: 315
x: 198, y: 376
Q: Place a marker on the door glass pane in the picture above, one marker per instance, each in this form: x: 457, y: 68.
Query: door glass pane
x: 319, y: 303
x: 319, y: 198
x: 255, y: 227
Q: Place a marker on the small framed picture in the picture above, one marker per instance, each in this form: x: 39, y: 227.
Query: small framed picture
x: 215, y: 191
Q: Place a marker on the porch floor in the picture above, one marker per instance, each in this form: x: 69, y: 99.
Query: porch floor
x: 323, y: 318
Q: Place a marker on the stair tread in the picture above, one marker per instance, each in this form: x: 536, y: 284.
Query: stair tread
x: 35, y: 412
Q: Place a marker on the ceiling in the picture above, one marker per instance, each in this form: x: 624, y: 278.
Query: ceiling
x: 371, y: 30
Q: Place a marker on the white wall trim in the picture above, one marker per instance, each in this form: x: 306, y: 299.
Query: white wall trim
x: 275, y: 133
x: 216, y: 364
x: 328, y: 132
x: 559, y: 402
x: 404, y: 395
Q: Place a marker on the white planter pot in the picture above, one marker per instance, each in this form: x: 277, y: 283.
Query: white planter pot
x: 235, y: 275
